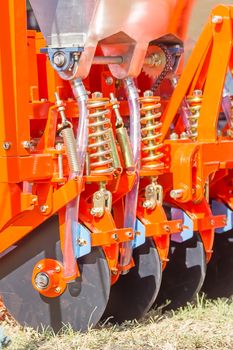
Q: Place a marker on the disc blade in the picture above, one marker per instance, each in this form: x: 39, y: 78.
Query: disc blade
x: 134, y: 293
x: 184, y: 273
x: 219, y: 276
x: 83, y: 302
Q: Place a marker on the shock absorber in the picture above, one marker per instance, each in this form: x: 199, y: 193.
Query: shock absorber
x: 194, y: 101
x: 151, y: 131
x: 102, y: 152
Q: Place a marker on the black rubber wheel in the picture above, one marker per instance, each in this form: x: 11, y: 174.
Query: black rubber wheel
x: 134, y: 293
x: 184, y: 274
x: 219, y: 277
x: 84, y: 300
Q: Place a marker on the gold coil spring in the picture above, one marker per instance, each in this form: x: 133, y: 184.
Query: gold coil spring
x: 99, y: 146
x: 151, y: 131
x: 194, y: 102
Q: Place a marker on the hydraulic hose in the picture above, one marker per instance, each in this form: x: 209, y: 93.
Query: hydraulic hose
x: 72, y: 208
x: 131, y: 198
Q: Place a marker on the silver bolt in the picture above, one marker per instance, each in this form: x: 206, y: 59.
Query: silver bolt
x: 217, y: 19
x: 39, y: 267
x: 6, y: 145
x: 58, y: 290
x: 197, y: 93
x: 81, y: 242
x: 109, y: 80
x: 147, y: 204
x: 176, y: 193
x: 129, y: 234
x: 174, y: 136
x: 183, y: 136
x: 115, y: 236
x: 59, y: 59
x: 97, y: 94
x: 42, y: 280
x: 148, y: 93
x: 166, y: 228
x: 43, y: 208
x: 57, y: 268
x: 26, y: 144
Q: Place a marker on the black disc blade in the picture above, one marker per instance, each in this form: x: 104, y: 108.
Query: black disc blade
x: 83, y: 302
x: 184, y: 273
x: 134, y: 293
x: 219, y: 276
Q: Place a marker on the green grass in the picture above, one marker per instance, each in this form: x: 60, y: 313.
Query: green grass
x: 205, y: 325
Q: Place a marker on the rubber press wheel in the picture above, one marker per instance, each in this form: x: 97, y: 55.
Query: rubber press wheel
x: 84, y: 300
x: 219, y: 277
x: 184, y: 274
x: 134, y: 293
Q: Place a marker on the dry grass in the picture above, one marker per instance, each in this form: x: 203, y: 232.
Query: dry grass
x: 207, y: 325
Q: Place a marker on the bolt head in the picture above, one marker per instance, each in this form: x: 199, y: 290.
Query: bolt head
x: 97, y: 94
x: 58, y: 268
x: 166, y: 228
x: 148, y: 93
x: 212, y: 222
x: 59, y: 59
x: 129, y: 234
x: 6, y: 145
x: 115, y: 236
x: 58, y: 290
x: 217, y: 19
x: 109, y: 81
x: 27, y: 144
x: 43, y: 208
x: 174, y: 136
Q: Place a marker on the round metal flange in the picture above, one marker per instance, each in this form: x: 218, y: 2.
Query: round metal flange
x: 184, y: 274
x: 47, y: 278
x: 81, y: 304
x: 134, y: 293
x: 219, y: 276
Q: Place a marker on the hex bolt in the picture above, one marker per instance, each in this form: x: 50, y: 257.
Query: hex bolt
x: 39, y: 267
x: 59, y: 59
x: 6, y: 145
x: 129, y: 234
x: 115, y: 236
x: 97, y: 94
x: 166, y: 228
x: 43, y: 208
x: 183, y: 136
x: 174, y: 136
x: 26, y: 144
x: 212, y: 222
x: 58, y: 290
x: 81, y: 242
x: 176, y: 193
x: 58, y: 268
x: 109, y: 81
x: 217, y: 19
x: 148, y: 93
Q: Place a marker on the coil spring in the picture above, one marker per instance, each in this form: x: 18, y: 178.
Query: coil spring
x: 99, y: 146
x: 151, y: 131
x: 70, y: 145
x: 194, y: 102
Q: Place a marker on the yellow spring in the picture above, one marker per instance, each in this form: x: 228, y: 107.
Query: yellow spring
x: 99, y: 146
x: 194, y: 102
x: 151, y: 131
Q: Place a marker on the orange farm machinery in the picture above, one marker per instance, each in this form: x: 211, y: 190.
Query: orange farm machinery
x: 115, y: 185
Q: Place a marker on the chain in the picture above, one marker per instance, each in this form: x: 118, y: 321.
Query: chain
x: 167, y: 68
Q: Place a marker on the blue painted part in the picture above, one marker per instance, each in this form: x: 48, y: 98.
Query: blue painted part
x: 141, y: 237
x: 187, y: 233
x: 219, y: 208
x: 83, y: 235
x: 229, y: 83
x: 4, y: 341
